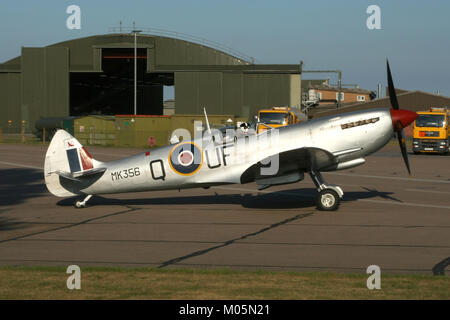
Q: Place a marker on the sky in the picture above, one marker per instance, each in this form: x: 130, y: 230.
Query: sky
x: 324, y: 34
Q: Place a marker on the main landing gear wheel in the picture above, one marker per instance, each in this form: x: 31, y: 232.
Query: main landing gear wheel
x: 329, y: 196
x: 328, y: 200
x: 82, y: 204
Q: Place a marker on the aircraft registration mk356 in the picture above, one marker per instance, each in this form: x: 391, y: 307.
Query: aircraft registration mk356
x: 325, y: 144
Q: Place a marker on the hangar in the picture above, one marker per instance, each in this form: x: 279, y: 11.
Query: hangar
x: 95, y: 75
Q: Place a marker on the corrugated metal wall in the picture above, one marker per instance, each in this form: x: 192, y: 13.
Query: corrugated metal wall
x: 10, y: 102
x: 266, y: 90
x: 233, y: 93
x: 296, y: 90
x: 197, y: 90
x: 45, y: 83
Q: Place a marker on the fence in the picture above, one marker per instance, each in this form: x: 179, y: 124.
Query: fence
x: 123, y: 138
x: 121, y: 131
x: 16, y: 134
x: 140, y: 131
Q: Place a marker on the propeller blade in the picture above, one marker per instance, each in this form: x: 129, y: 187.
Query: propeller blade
x: 400, y: 118
x: 392, y: 94
x: 401, y: 141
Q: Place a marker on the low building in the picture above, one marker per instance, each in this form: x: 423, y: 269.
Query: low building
x: 327, y: 94
x: 306, y: 83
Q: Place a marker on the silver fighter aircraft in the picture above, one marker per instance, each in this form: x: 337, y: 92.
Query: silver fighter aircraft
x: 275, y: 157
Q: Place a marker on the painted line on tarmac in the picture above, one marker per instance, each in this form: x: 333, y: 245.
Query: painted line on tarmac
x: 427, y: 191
x: 386, y: 177
x: 13, y: 164
x: 408, y: 204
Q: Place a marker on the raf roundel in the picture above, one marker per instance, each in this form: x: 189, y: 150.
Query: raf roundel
x: 186, y: 158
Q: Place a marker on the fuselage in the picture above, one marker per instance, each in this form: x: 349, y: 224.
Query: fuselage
x: 348, y: 137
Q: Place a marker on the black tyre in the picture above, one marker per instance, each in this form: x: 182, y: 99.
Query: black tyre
x: 328, y: 200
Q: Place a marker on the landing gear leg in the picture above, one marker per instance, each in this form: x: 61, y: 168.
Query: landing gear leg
x: 82, y: 204
x: 329, y: 196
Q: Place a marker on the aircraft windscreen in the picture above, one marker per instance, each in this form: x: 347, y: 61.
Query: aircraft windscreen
x: 273, y: 118
x: 430, y: 120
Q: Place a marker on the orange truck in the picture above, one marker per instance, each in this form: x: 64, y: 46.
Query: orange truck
x: 276, y: 117
x: 431, y: 131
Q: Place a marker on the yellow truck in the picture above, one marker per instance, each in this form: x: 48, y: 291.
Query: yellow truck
x: 276, y: 117
x: 431, y: 131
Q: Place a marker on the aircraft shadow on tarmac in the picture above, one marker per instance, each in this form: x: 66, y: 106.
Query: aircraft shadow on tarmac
x: 287, y: 199
x: 19, y: 184
x: 11, y: 224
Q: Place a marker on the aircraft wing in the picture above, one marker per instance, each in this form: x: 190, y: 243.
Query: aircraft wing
x: 306, y: 158
x: 291, y: 166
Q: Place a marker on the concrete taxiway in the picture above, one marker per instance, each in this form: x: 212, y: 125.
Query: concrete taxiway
x: 399, y: 223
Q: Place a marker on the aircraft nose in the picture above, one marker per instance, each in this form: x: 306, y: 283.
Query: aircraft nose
x: 402, y: 118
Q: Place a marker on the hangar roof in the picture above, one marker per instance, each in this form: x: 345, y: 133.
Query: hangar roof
x: 164, y: 54
x: 164, y: 51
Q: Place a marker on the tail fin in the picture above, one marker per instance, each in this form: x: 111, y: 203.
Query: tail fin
x: 66, y: 158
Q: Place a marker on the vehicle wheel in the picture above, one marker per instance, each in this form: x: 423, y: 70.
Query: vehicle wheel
x: 416, y: 152
x: 80, y: 204
x: 328, y: 200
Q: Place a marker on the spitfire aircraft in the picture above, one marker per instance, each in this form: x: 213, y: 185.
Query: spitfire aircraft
x: 275, y: 157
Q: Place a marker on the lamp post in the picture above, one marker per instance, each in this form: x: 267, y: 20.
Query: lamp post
x: 135, y: 69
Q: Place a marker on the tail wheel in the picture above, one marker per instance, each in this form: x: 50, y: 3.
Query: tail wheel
x: 80, y: 204
x: 328, y: 200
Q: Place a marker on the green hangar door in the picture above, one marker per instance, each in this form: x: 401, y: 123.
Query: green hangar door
x: 111, y: 91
